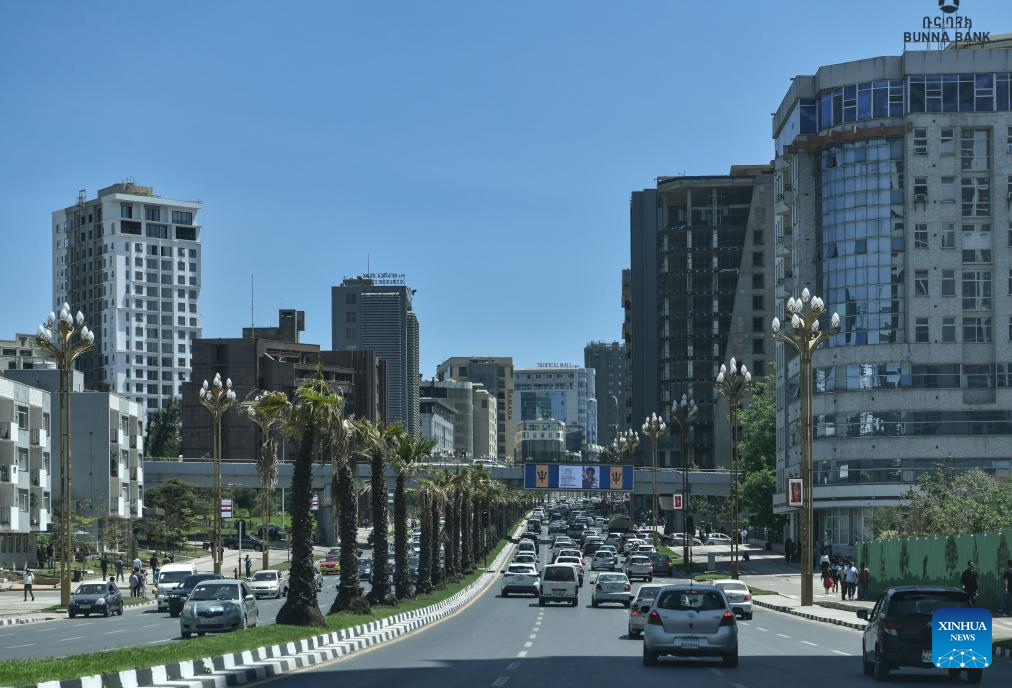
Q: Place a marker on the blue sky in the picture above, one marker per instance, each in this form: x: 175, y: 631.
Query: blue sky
x: 487, y: 150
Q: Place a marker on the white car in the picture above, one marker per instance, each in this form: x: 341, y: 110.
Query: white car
x: 639, y: 566
x: 529, y: 559
x: 269, y: 583
x: 645, y: 549
x: 520, y: 578
x: 570, y: 552
x: 576, y: 562
x: 717, y: 539
x: 739, y: 597
x: 631, y: 545
x: 611, y: 587
x: 640, y: 609
x: 528, y: 547
x: 559, y: 584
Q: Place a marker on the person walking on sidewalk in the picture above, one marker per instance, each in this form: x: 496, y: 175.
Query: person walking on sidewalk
x: 29, y: 580
x: 249, y: 566
x: 119, y: 568
x: 849, y: 581
x: 863, y: 578
x: 968, y: 581
x: 1007, y: 588
x: 104, y: 563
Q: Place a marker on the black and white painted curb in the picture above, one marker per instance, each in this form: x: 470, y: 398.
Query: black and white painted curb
x: 808, y: 615
x: 252, y: 665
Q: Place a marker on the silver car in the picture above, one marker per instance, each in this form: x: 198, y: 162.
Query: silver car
x: 690, y: 621
x: 611, y: 587
x: 269, y: 583
x: 218, y: 605
x: 738, y: 596
x: 640, y: 609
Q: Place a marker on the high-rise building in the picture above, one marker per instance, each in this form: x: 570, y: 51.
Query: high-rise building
x: 459, y: 396
x: 563, y: 392
x: 891, y: 205
x: 22, y: 353
x: 494, y: 373
x: 486, y: 434
x: 375, y: 312
x: 542, y: 441
x: 626, y: 421
x: 607, y: 359
x: 130, y: 261
x: 700, y: 294
x: 437, y: 420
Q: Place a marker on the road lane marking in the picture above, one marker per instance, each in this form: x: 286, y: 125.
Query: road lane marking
x: 528, y: 644
x: 76, y: 637
x: 737, y: 685
x: 163, y: 640
x: 84, y: 623
x: 150, y: 625
x: 4, y: 635
x: 533, y: 636
x: 808, y: 643
x: 716, y: 672
x: 841, y: 652
x: 11, y: 647
x: 501, y: 681
x: 762, y: 629
x: 783, y: 636
x: 122, y: 630
x: 512, y: 666
x: 522, y: 653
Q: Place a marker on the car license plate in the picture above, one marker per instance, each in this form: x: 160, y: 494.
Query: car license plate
x: 558, y: 593
x: 690, y: 643
x: 206, y: 622
x: 926, y: 656
x: 84, y: 606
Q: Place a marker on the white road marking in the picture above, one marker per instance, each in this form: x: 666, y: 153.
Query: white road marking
x: 737, y: 685
x: 512, y: 666
x: 764, y: 630
x: 533, y: 636
x: 783, y: 636
x: 501, y: 681
x: 744, y: 623
x: 528, y: 644
x: 11, y: 647
x: 522, y: 653
x: 4, y: 635
x: 841, y: 652
x: 163, y: 640
x: 76, y: 637
x: 716, y: 672
x: 122, y: 630
x: 808, y: 643
x: 150, y: 626
x: 84, y: 623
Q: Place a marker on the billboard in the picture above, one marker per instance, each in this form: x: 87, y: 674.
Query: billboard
x: 795, y: 496
x: 572, y: 476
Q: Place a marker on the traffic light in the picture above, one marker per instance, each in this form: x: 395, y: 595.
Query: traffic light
x: 484, y: 519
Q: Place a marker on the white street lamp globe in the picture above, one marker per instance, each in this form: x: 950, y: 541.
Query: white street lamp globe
x: 805, y: 295
x: 228, y: 383
x: 733, y: 363
x: 815, y: 326
x: 776, y: 324
x: 795, y: 321
x: 51, y: 319
x: 748, y: 378
x: 723, y: 368
x: 79, y: 318
x: 836, y: 320
x: 720, y: 376
x: 204, y: 386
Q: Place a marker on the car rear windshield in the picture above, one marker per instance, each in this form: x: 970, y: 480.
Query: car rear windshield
x: 560, y: 573
x: 611, y: 578
x: 691, y: 600
x: 925, y: 604
x: 173, y: 576
x: 265, y: 575
x: 732, y: 586
x: 520, y: 569
x: 191, y: 581
x: 647, y: 593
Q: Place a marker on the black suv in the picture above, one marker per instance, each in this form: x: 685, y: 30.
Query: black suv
x: 899, y: 629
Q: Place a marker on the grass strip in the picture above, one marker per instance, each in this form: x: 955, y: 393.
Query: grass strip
x: 15, y: 672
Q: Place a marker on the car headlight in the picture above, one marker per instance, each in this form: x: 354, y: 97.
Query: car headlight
x: 100, y: 600
x: 232, y: 610
x: 187, y: 610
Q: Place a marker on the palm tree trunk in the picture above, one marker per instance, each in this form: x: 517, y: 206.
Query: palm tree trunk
x: 266, y: 503
x: 424, y: 584
x: 476, y: 547
x: 381, y: 547
x: 466, y: 553
x: 453, y: 540
x: 402, y: 576
x: 301, y: 608
x: 348, y: 589
x: 435, y: 542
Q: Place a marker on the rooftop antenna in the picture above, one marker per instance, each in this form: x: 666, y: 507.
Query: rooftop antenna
x: 251, y: 323
x: 368, y: 264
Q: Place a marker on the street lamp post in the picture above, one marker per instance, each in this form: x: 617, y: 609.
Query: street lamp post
x: 684, y: 414
x: 733, y: 384
x: 217, y: 399
x: 654, y: 427
x: 56, y: 336
x: 625, y: 444
x: 805, y: 336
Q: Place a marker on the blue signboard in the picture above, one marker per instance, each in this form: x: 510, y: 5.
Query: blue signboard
x: 574, y: 476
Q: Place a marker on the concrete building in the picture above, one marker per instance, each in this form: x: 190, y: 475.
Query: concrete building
x: 893, y: 191
x: 131, y: 262
x: 107, y: 447
x: 495, y: 373
x: 607, y: 359
x: 25, y: 471
x: 23, y: 353
x: 486, y: 436
x: 564, y: 392
x: 626, y: 420
x: 437, y: 421
x: 541, y: 441
x: 700, y: 294
x: 273, y: 358
x: 374, y: 312
x: 459, y: 396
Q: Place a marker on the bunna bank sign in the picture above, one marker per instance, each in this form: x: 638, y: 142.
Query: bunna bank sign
x: 947, y: 28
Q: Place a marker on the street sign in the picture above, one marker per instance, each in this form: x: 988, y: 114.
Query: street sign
x: 226, y: 508
x: 676, y: 501
x: 315, y: 504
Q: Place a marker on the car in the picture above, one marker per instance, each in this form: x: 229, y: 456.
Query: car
x: 364, y: 569
x: 102, y: 598
x: 534, y: 525
x: 520, y: 578
x: 630, y: 546
x: 556, y: 526
x: 738, y: 596
x: 330, y: 565
x: 217, y: 606
x: 645, y: 548
x: 317, y: 579
x: 169, y: 576
x: 591, y: 546
x: 559, y: 583
x: 603, y: 561
x: 527, y: 547
x: 269, y: 583
x: 640, y: 609
x: 898, y: 633
x: 692, y: 621
x: 569, y: 552
x: 717, y: 539
x: 611, y: 588
x: 574, y: 561
x: 662, y: 564
x: 575, y: 530
x: 680, y: 540
x: 532, y: 536
x: 639, y: 566
x: 248, y: 542
x: 334, y: 552
x: 526, y: 558
x: 179, y: 594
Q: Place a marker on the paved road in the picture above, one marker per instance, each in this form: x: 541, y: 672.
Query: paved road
x: 513, y: 642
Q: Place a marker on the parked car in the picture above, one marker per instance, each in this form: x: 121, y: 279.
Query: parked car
x: 559, y: 584
x: 738, y: 596
x: 179, y: 594
x: 269, y: 583
x: 898, y: 633
x: 717, y: 539
x: 520, y: 578
x: 640, y: 608
x: 330, y: 565
x: 611, y: 588
x: 693, y: 621
x: 662, y: 564
x: 639, y: 566
x: 218, y: 605
x: 96, y: 598
x: 248, y: 542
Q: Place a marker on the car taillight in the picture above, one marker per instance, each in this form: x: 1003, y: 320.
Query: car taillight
x: 748, y: 597
x: 627, y: 587
x: 635, y: 612
x: 727, y: 619
x: 654, y: 619
x: 891, y: 626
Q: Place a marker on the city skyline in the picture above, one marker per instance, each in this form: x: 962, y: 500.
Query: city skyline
x: 494, y: 144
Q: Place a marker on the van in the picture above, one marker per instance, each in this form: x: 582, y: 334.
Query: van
x: 169, y: 578
x: 559, y: 583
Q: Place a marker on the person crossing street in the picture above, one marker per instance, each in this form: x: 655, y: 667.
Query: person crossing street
x: 29, y: 580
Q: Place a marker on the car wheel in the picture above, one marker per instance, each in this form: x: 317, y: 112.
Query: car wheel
x: 649, y: 658
x: 747, y: 617
x: 86, y: 615
x: 974, y: 675
x: 731, y: 660
x: 200, y: 634
x: 505, y: 594
x: 185, y: 635
x: 245, y: 623
x: 953, y: 674
x: 71, y: 614
x: 627, y: 604
x: 541, y: 601
x: 593, y: 603
x: 174, y: 614
x: 869, y: 667
x: 575, y: 602
x: 881, y: 668
x: 650, y: 579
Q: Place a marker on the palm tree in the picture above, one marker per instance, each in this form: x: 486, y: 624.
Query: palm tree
x: 426, y: 494
x: 379, y: 439
x: 270, y: 411
x: 316, y: 407
x: 462, y: 519
x: 345, y: 493
x: 408, y: 453
x: 445, y: 483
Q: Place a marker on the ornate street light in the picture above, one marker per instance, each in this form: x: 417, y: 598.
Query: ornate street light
x: 805, y: 336
x: 684, y: 413
x: 624, y: 445
x: 56, y: 336
x: 733, y: 384
x: 217, y: 399
x: 654, y: 427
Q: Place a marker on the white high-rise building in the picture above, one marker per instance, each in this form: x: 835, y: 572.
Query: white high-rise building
x: 130, y: 261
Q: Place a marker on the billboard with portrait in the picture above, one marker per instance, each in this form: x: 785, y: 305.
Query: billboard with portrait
x: 565, y: 476
x: 794, y: 492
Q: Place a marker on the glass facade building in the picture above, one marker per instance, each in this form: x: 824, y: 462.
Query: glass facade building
x: 565, y: 393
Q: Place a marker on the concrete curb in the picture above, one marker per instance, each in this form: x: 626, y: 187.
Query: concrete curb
x: 15, y: 620
x: 252, y: 665
x: 807, y: 615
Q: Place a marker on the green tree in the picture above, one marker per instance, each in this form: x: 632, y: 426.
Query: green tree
x: 409, y: 452
x: 379, y: 440
x: 344, y: 495
x: 165, y: 430
x: 951, y: 555
x: 757, y: 456
x: 181, y: 505
x: 270, y: 412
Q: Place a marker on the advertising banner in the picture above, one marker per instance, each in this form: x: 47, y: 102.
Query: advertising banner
x: 795, y: 492
x: 566, y: 476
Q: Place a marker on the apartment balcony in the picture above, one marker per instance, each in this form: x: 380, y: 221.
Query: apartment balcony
x: 8, y: 517
x: 39, y: 438
x: 133, y: 441
x: 8, y: 431
x: 36, y: 480
x: 133, y: 474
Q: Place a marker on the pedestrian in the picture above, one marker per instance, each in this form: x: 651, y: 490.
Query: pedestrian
x: 171, y: 557
x: 119, y: 568
x: 827, y: 580
x: 824, y: 560
x: 134, y: 582
x: 836, y: 568
x: 968, y: 581
x: 850, y: 575
x: 137, y: 563
x: 863, y: 578
x: 104, y: 563
x: 249, y: 566
x: 153, y: 561
x: 29, y: 580
x: 51, y: 552
x: 1007, y: 588
x: 235, y: 573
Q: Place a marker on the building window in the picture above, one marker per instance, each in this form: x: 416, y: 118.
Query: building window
x: 921, y: 330
x: 758, y: 346
x: 976, y: 290
x: 757, y: 256
x: 920, y: 141
x: 947, y: 142
x: 948, y: 282
x: 758, y: 324
x: 977, y: 330
x: 920, y: 236
x: 948, y: 329
x: 757, y: 280
x: 975, y: 149
x: 351, y: 299
x: 350, y: 317
x: 126, y: 211
x: 920, y: 282
x: 976, y: 196
x: 948, y: 235
x: 22, y: 413
x: 758, y: 302
x: 1008, y: 140
x: 182, y: 217
x: 920, y: 188
x: 757, y: 235
x: 351, y: 332
x: 948, y: 190
x: 152, y: 214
